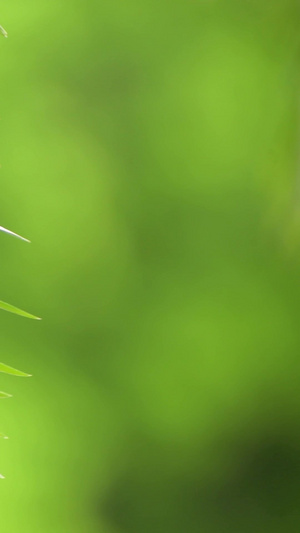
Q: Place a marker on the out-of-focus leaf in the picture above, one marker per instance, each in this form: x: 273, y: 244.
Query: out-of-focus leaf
x: 11, y: 232
x: 3, y: 31
x: 16, y: 311
x: 13, y: 371
x: 5, y: 395
x: 2, y: 436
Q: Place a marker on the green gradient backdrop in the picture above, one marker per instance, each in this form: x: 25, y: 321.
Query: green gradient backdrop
x: 149, y: 151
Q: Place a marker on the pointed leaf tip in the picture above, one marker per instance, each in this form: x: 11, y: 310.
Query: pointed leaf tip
x: 12, y: 309
x: 11, y: 232
x: 13, y: 371
x: 5, y: 395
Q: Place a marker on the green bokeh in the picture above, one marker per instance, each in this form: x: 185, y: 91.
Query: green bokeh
x: 150, y: 152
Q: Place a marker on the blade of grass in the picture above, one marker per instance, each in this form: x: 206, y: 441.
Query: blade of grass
x: 11, y: 232
x: 2, y: 30
x: 13, y: 371
x: 5, y: 395
x: 16, y: 311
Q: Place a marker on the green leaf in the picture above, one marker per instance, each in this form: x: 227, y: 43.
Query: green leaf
x: 3, y: 32
x: 11, y: 232
x: 13, y: 371
x: 5, y: 395
x: 16, y: 311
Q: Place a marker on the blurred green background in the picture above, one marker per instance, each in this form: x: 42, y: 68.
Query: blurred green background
x: 150, y: 151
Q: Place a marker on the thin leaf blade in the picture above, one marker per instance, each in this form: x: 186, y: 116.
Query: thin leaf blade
x: 12, y: 309
x: 3, y: 32
x: 5, y: 395
x: 12, y: 371
x: 8, y: 230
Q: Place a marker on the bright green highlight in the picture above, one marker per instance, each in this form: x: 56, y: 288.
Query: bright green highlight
x: 3, y: 32
x: 5, y: 395
x: 16, y: 310
x: 12, y: 371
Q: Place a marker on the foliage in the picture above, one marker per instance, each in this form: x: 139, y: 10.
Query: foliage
x: 12, y: 309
